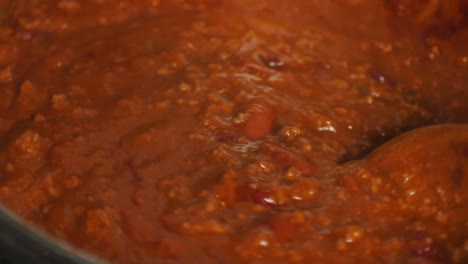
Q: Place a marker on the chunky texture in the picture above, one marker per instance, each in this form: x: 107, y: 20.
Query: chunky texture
x: 243, y: 131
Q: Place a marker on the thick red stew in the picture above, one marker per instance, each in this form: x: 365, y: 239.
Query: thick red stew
x: 246, y: 131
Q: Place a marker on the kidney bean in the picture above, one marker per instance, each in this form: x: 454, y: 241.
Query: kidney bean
x: 259, y: 120
x: 423, y: 245
x: 227, y: 137
x: 263, y: 198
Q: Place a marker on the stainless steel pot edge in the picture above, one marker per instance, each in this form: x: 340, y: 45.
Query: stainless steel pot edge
x: 22, y: 243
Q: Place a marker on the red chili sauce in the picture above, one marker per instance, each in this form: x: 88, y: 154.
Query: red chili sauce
x: 247, y: 131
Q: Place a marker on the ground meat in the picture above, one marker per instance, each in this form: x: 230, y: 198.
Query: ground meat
x: 239, y: 131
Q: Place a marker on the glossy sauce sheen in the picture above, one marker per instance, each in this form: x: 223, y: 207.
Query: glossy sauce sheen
x: 246, y: 131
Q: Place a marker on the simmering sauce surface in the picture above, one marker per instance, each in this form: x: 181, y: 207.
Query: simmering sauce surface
x: 247, y: 131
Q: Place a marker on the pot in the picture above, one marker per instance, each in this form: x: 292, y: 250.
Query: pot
x: 22, y: 243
